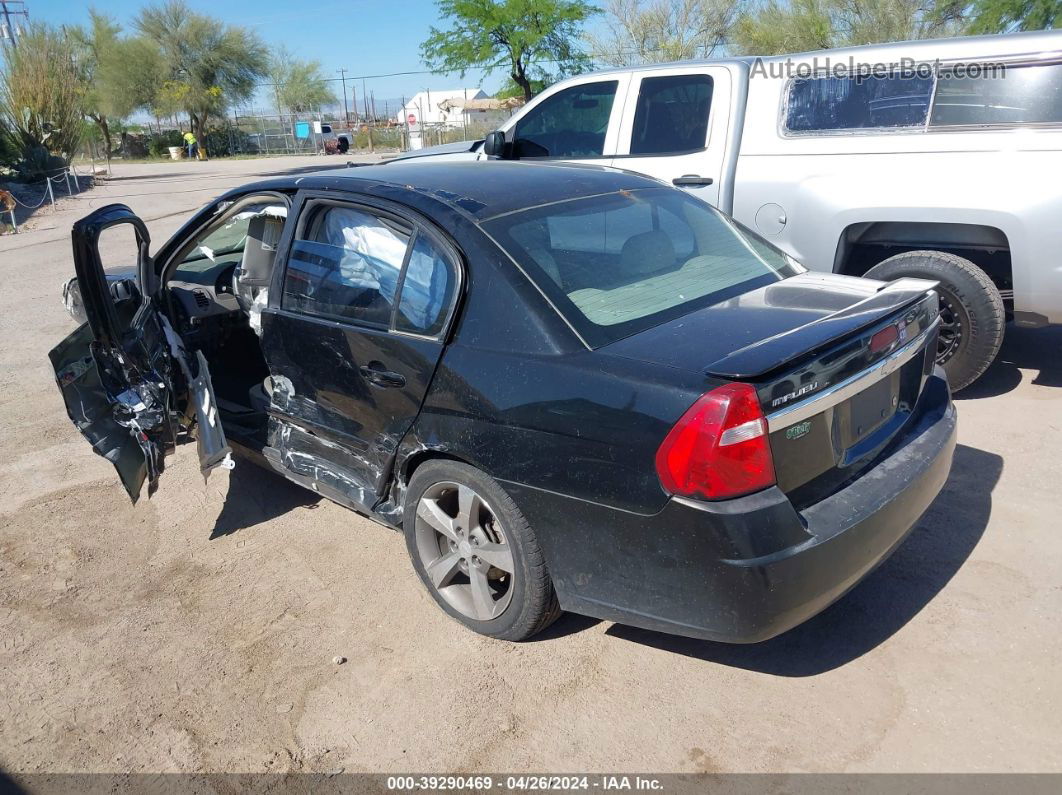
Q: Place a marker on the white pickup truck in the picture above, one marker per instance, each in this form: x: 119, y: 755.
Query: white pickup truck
x: 934, y: 159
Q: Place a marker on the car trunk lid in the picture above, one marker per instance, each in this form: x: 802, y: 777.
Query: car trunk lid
x: 838, y: 365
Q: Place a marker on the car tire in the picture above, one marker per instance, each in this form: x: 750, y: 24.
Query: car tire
x: 971, y: 309
x: 448, y: 506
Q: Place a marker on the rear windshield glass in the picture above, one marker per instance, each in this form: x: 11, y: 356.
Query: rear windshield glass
x: 621, y: 262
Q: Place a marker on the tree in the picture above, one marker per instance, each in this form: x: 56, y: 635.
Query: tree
x: 510, y: 89
x: 523, y: 36
x: 299, y: 86
x: 776, y: 26
x: 208, y: 65
x: 94, y: 43
x: 1006, y: 16
x: 121, y: 74
x: 648, y: 31
x: 42, y: 100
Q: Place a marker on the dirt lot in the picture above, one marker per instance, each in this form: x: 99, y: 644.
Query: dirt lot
x: 196, y: 631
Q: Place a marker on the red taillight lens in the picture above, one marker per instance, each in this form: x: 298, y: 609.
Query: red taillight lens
x: 719, y: 448
x: 884, y: 338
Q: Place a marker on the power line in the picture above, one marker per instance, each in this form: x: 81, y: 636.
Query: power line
x: 396, y: 74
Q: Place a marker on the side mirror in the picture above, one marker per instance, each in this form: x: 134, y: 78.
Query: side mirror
x: 494, y: 144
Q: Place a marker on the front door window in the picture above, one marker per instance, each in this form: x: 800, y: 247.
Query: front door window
x: 572, y: 123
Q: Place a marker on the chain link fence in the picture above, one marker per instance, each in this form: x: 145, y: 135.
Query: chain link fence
x: 246, y: 134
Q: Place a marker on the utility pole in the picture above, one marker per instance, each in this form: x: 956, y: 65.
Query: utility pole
x: 9, y: 31
x: 365, y: 99
x: 346, y: 113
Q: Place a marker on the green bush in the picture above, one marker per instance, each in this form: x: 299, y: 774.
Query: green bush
x: 160, y: 143
x: 224, y: 142
x: 37, y: 163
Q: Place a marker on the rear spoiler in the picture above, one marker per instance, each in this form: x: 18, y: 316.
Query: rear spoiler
x: 760, y: 358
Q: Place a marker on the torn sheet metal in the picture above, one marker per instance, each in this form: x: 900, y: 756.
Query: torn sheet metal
x: 214, y: 450
x: 122, y: 410
x: 301, y: 456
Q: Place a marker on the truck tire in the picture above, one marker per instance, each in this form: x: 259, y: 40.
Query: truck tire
x: 971, y: 310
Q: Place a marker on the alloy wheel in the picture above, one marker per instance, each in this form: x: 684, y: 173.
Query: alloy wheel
x: 464, y: 551
x: 952, y: 322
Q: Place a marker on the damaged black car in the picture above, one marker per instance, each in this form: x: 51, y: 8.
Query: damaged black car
x: 571, y: 388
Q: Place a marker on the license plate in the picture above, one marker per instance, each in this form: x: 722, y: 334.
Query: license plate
x: 872, y: 407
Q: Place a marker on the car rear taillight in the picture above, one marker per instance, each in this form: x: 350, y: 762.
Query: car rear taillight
x: 719, y: 448
x: 884, y: 339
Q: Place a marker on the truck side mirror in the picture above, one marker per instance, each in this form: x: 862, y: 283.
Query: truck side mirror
x: 494, y: 144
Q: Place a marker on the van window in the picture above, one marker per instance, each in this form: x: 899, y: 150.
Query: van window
x: 346, y: 265
x: 1014, y: 95
x: 621, y: 262
x: 819, y: 104
x: 672, y: 114
x: 571, y: 123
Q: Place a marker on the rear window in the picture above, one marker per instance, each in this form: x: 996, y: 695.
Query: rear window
x: 621, y: 262
x: 672, y: 114
x: 820, y: 104
x: 1015, y: 95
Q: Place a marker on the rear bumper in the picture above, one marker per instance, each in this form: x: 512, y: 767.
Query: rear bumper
x: 742, y: 570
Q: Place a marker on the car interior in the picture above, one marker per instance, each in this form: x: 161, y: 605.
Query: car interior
x: 217, y: 285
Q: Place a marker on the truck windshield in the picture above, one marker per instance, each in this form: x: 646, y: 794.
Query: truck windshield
x: 618, y: 263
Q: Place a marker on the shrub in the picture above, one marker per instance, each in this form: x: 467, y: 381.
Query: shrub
x: 159, y: 144
x: 41, y: 100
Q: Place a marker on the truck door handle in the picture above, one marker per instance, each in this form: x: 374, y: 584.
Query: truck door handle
x: 376, y: 375
x: 687, y: 180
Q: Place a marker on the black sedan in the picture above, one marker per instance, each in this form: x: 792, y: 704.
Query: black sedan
x: 571, y: 388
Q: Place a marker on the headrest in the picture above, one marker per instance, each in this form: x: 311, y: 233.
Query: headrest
x: 260, y: 249
x: 647, y: 253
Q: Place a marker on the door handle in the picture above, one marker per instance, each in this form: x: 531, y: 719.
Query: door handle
x: 376, y: 375
x: 690, y: 180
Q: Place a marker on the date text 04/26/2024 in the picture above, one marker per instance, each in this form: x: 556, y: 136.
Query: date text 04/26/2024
x: 528, y: 783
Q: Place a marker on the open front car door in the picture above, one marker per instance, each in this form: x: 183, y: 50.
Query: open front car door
x: 128, y: 384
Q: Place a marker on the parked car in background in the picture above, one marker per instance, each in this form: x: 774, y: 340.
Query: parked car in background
x: 570, y: 387
x: 929, y: 159
x: 342, y: 138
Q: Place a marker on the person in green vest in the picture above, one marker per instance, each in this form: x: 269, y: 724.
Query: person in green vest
x: 191, y: 143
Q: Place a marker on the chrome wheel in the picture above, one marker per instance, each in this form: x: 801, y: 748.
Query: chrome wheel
x: 464, y: 551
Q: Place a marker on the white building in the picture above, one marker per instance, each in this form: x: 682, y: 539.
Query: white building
x: 424, y: 108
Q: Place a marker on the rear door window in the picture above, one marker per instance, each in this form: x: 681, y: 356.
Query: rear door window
x: 1013, y: 95
x: 571, y: 123
x: 857, y: 102
x: 428, y: 288
x: 672, y: 114
x: 355, y: 263
x: 346, y: 264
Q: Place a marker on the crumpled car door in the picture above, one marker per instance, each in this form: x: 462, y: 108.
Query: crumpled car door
x: 124, y: 375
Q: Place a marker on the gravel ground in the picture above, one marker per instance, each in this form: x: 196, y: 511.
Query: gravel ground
x: 197, y: 630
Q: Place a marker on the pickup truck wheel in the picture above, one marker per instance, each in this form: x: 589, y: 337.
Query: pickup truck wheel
x: 971, y: 310
x: 475, y: 552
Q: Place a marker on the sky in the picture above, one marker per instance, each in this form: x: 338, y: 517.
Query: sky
x: 367, y: 37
